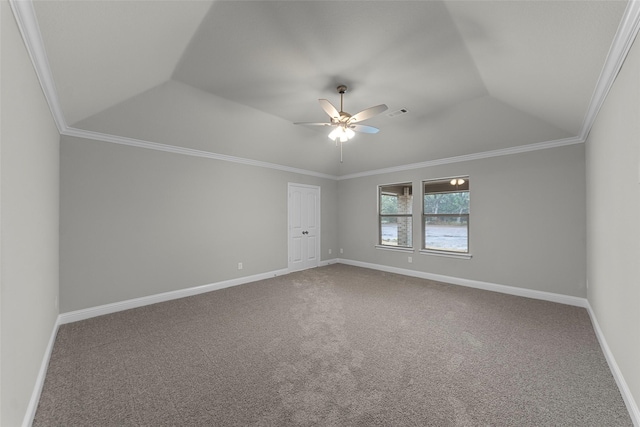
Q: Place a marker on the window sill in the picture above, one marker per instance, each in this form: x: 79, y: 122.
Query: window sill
x: 395, y: 248
x: 446, y: 254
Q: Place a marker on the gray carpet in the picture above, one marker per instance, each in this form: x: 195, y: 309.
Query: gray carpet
x: 334, y: 346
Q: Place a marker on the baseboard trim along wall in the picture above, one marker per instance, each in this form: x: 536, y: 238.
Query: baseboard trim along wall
x: 87, y: 313
x: 42, y: 373
x: 326, y: 262
x: 78, y: 315
x: 632, y: 406
x: 511, y: 290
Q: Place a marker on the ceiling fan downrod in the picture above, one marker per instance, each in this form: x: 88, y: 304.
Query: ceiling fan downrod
x: 341, y: 90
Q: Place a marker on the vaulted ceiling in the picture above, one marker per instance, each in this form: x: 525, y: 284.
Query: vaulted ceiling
x: 231, y: 77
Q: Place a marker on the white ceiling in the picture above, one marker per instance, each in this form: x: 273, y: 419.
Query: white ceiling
x: 230, y: 77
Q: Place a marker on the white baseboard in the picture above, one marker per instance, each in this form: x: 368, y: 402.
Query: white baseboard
x: 511, y: 290
x: 87, y: 313
x: 632, y: 407
x: 42, y: 373
x: 326, y: 262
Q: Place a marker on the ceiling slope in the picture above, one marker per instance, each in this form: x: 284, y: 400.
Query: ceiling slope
x: 176, y: 114
x: 281, y: 56
x: 543, y: 58
x: 230, y: 77
x: 103, y: 52
x: 479, y: 125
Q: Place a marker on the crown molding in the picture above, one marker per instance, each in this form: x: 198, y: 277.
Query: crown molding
x: 622, y: 41
x: 97, y: 136
x: 468, y: 157
x: 27, y: 22
x: 114, y: 139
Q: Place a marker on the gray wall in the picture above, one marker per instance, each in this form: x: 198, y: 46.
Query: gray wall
x: 613, y: 212
x: 138, y: 222
x: 29, y: 176
x: 527, y: 223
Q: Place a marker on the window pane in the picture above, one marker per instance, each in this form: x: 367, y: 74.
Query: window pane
x: 396, y: 231
x: 396, y: 199
x: 396, y: 207
x: 447, y: 203
x: 388, y: 204
x: 447, y: 185
x: 447, y: 233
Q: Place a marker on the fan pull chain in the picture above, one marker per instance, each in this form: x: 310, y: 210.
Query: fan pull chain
x: 340, y: 151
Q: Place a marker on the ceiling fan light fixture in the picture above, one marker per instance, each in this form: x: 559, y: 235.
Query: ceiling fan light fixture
x: 343, y: 133
x: 334, y: 134
x: 350, y: 134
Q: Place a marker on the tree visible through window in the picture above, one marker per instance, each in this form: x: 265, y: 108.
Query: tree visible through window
x: 395, y: 215
x: 446, y: 215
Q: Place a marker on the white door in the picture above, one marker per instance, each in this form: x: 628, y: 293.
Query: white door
x: 304, y: 226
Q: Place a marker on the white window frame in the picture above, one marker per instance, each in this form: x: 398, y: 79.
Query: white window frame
x: 379, y: 244
x: 424, y: 216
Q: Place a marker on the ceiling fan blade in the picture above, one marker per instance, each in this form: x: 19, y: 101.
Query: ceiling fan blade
x: 364, y: 128
x: 313, y: 124
x: 368, y: 113
x: 329, y: 109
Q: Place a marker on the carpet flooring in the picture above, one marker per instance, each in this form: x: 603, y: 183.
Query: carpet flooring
x: 333, y: 346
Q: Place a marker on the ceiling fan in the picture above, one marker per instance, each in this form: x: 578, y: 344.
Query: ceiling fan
x: 344, y: 123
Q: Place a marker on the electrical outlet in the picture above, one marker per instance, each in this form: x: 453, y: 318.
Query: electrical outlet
x: 329, y: 251
x: 239, y: 266
x: 410, y: 260
x: 341, y: 251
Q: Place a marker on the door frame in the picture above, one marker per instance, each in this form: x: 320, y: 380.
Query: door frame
x: 318, y: 212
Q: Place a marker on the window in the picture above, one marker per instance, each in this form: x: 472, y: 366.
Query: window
x: 395, y: 204
x: 445, y: 217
